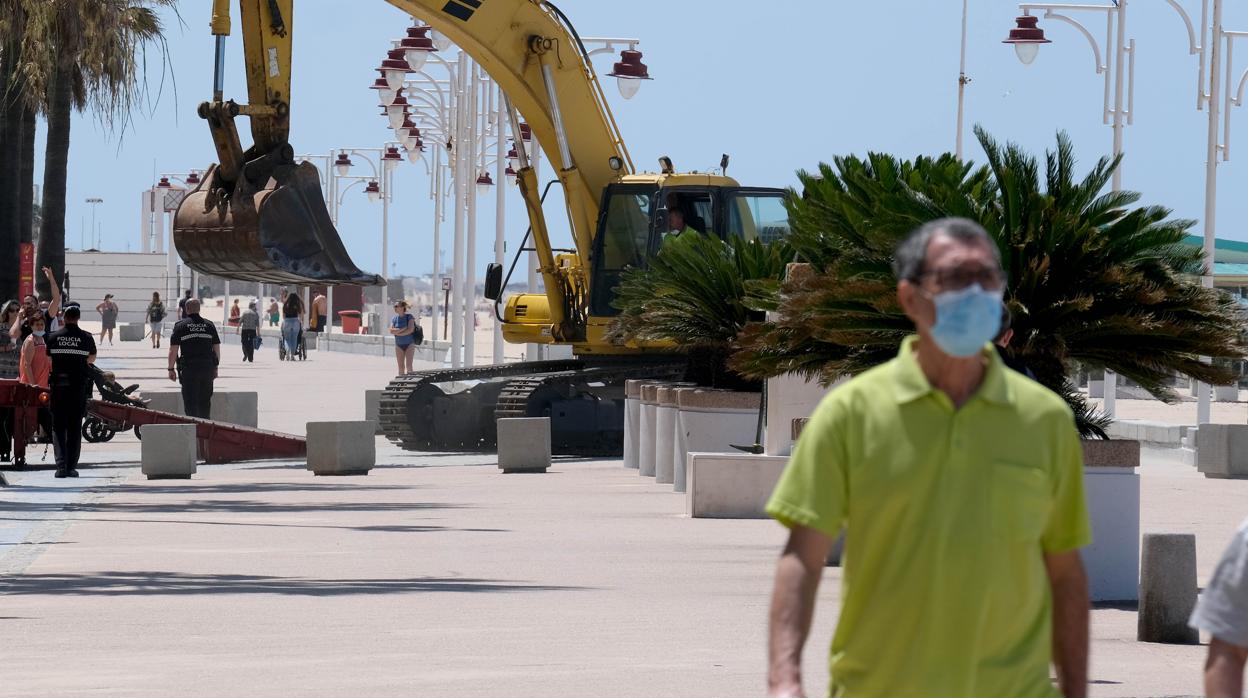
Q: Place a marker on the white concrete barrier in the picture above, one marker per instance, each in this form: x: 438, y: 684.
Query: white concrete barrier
x: 632, y: 421
x: 645, y: 440
x: 235, y: 407
x: 132, y: 332
x: 665, y: 432
x: 711, y: 421
x: 731, y: 485
x: 788, y: 397
x: 524, y: 444
x: 1226, y: 393
x: 1222, y: 450
x: 372, y: 408
x: 168, y: 451
x: 1112, y: 490
x: 341, y: 448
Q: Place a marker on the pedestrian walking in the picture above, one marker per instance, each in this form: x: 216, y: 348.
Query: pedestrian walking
x: 317, y: 317
x: 35, y: 368
x: 72, y: 352
x: 197, y: 341
x: 275, y: 313
x: 182, y: 304
x: 235, y: 314
x: 959, y: 487
x: 108, y: 317
x: 249, y: 327
x: 1222, y: 612
x: 405, y: 331
x: 155, y: 319
x: 292, y: 324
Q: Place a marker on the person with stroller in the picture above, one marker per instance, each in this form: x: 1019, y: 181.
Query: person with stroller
x: 292, y: 324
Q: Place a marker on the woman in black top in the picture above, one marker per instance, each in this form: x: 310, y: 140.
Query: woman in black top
x: 292, y: 312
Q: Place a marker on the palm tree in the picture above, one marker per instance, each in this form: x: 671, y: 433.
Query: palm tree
x: 79, y: 54
x: 12, y: 26
x: 1093, y: 282
x: 692, y: 295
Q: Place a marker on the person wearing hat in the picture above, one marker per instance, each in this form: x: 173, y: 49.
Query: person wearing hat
x: 108, y: 317
x: 72, y: 352
x: 197, y: 340
x: 407, y: 334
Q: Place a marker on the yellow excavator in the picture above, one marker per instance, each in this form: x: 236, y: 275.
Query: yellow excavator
x: 258, y: 215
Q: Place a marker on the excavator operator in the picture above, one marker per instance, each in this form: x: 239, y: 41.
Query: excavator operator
x: 679, y: 219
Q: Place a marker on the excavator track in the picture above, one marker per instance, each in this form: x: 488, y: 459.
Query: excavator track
x: 448, y: 410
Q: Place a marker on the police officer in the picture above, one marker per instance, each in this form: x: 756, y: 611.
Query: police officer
x: 72, y: 352
x: 197, y: 367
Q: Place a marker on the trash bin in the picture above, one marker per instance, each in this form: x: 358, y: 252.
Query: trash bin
x: 350, y: 321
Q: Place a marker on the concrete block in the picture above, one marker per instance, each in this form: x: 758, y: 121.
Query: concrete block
x: 731, y: 485
x: 632, y: 421
x: 665, y: 432
x: 132, y: 332
x: 524, y: 444
x: 1222, y: 450
x: 235, y: 407
x: 372, y: 408
x: 165, y: 401
x: 645, y: 440
x: 1096, y: 388
x: 1226, y: 393
x: 340, y: 448
x: 310, y: 340
x: 169, y: 451
x: 711, y: 421
x: 1168, y: 589
x: 789, y: 397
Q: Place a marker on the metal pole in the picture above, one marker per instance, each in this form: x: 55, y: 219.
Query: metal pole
x: 1204, y: 407
x: 500, y: 202
x: 1118, y: 66
x: 470, y: 275
x: 962, y: 80
x: 457, y: 258
x: 436, y: 279
x: 386, y: 182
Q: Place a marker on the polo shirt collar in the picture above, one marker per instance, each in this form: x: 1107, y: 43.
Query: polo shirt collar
x: 910, y: 384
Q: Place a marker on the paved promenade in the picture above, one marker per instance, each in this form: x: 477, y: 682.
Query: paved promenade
x: 433, y: 575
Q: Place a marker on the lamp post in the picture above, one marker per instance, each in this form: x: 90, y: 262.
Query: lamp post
x: 94, y: 201
x: 1119, y: 74
x: 1209, y: 46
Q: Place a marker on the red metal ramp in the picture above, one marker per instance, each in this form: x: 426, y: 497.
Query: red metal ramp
x: 219, y: 442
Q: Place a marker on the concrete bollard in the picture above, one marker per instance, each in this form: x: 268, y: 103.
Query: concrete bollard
x: 665, y: 432
x: 524, y: 444
x: 645, y: 441
x: 632, y: 421
x: 164, y: 401
x: 711, y: 421
x: 372, y: 408
x: 235, y: 407
x: 1167, y: 589
x: 340, y: 448
x: 132, y: 332
x: 169, y: 451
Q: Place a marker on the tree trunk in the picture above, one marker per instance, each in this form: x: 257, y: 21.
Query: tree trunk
x: 55, y: 172
x: 26, y: 177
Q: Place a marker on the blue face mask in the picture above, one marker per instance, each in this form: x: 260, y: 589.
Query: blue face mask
x: 37, y: 333
x: 966, y: 319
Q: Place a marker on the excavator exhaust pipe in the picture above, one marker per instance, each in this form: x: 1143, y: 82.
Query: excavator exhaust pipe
x: 280, y: 233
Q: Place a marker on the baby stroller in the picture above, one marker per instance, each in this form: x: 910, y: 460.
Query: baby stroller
x: 96, y: 429
x: 301, y: 349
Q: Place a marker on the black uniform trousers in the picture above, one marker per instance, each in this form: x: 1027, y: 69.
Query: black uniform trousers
x: 197, y: 390
x: 69, y: 405
x: 249, y: 345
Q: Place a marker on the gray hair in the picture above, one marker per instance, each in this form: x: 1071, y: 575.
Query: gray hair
x: 192, y: 306
x: 911, y: 254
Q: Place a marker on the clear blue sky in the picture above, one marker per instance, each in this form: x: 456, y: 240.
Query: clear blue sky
x: 779, y: 86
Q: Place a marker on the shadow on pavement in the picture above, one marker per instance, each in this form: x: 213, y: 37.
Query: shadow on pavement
x: 395, y: 528
x: 235, y: 506
x: 178, y: 584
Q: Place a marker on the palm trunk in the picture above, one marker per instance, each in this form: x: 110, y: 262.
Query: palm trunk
x: 26, y: 177
x: 10, y: 121
x: 55, y: 171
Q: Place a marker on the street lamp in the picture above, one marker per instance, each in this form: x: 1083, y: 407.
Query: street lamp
x: 385, y: 94
x: 484, y: 182
x: 396, y: 111
x: 391, y: 159
x: 1026, y: 38
x: 394, y: 68
x: 417, y: 47
x: 342, y: 164
x: 373, y: 191
x: 94, y: 201
x: 440, y: 40
x: 629, y: 72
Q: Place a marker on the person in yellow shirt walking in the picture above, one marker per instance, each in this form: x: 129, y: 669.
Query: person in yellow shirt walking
x: 959, y: 486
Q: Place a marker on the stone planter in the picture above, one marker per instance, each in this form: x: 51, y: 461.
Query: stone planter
x: 711, y: 421
x: 1112, y: 487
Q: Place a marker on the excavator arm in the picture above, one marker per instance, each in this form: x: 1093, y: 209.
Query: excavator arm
x: 260, y: 200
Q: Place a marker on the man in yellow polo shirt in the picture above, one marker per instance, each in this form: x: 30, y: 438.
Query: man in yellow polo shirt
x: 959, y: 485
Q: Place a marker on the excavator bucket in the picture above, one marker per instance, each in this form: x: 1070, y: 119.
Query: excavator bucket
x: 280, y: 233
